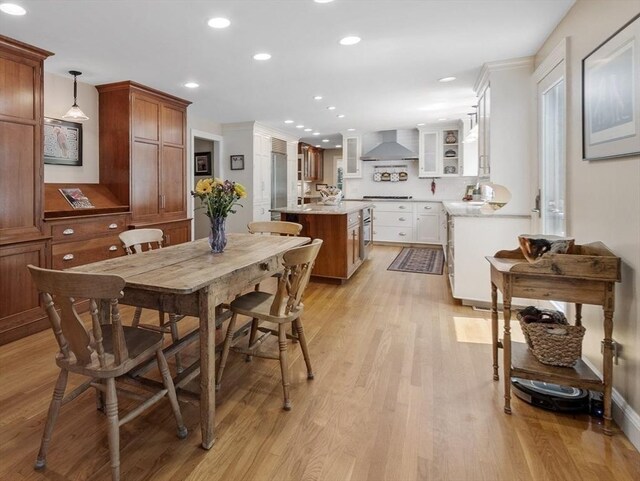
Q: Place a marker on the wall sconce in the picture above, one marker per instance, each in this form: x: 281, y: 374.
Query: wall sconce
x: 74, y: 113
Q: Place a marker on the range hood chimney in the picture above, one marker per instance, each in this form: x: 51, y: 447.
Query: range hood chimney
x: 389, y: 149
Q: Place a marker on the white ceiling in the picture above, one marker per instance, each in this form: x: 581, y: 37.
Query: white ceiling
x: 387, y: 81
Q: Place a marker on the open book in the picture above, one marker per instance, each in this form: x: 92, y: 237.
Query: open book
x: 76, y: 198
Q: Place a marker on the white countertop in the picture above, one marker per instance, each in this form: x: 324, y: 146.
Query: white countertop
x: 344, y: 207
x: 471, y: 209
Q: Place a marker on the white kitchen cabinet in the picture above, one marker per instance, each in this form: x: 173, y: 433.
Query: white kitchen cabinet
x: 261, y: 168
x: 351, y: 152
x: 393, y: 221
x: 470, y: 239
x: 429, y: 153
x: 428, y: 222
x: 484, y: 138
x: 261, y: 212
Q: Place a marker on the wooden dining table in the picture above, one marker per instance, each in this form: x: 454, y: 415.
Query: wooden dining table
x: 189, y: 279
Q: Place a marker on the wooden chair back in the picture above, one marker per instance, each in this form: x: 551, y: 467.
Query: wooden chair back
x: 298, y: 263
x: 275, y: 227
x: 135, y: 240
x: 74, y: 340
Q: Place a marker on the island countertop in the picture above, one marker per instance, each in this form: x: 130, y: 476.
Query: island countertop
x: 344, y: 207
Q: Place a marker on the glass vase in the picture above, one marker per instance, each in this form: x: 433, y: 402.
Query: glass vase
x: 218, y: 235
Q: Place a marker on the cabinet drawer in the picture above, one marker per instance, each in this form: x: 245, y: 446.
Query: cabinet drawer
x: 428, y: 207
x: 354, y: 218
x: 71, y: 254
x: 393, y: 207
x: 392, y: 234
x: 78, y: 229
x: 397, y: 219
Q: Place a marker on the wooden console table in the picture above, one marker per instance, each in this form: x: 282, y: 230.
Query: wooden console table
x: 586, y: 276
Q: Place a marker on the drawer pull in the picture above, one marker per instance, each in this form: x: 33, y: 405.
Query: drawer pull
x: 68, y: 231
x: 113, y: 248
x: 113, y: 226
x: 402, y: 234
x: 427, y: 207
x: 67, y: 257
x: 402, y: 219
x: 401, y: 207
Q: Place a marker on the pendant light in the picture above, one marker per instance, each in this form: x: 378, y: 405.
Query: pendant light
x: 74, y: 113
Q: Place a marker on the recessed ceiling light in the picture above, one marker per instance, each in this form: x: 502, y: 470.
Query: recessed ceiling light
x: 446, y: 79
x: 339, y: 146
x: 317, y: 97
x: 299, y: 126
x: 420, y: 124
x: 340, y: 116
x: 262, y: 56
x: 331, y: 107
x: 350, y: 40
x: 308, y: 130
x: 192, y: 85
x: 316, y: 133
x: 288, y: 121
x: 351, y: 130
x: 323, y: 1
x: 12, y: 9
x: 318, y: 145
x: 325, y: 140
x: 219, y: 22
x: 441, y: 120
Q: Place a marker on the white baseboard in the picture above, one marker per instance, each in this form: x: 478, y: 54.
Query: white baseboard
x: 624, y: 415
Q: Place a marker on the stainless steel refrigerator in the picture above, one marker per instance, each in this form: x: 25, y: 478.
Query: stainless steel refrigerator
x: 278, y: 183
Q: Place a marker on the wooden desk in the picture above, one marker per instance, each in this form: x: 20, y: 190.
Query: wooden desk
x: 586, y: 277
x: 189, y: 279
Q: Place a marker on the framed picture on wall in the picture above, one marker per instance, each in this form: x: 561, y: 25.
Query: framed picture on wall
x: 202, y: 163
x: 611, y: 96
x: 62, y: 142
x: 237, y: 162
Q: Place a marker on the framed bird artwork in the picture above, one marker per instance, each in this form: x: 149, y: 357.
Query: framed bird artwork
x: 62, y: 142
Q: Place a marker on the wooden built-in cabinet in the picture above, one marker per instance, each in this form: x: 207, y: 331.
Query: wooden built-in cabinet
x: 311, y: 162
x: 22, y: 240
x: 143, y: 151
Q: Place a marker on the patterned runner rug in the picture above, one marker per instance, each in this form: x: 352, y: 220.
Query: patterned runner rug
x: 423, y: 260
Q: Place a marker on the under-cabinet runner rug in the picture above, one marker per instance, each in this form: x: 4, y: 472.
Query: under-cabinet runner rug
x: 423, y: 260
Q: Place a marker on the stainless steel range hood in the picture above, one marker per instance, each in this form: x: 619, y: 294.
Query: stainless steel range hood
x: 389, y: 149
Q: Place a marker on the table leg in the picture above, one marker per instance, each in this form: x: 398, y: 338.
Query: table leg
x: 506, y: 348
x: 607, y: 369
x: 494, y: 329
x: 578, y: 314
x: 207, y: 307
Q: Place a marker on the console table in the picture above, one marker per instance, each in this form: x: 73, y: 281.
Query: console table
x: 585, y: 276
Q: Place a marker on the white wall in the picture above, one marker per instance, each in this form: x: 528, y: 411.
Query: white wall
x: 201, y: 222
x: 58, y: 98
x: 603, y: 197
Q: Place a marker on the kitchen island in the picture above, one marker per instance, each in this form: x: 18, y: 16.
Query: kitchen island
x: 345, y: 229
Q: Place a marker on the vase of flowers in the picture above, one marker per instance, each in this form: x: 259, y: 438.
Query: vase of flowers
x: 219, y: 198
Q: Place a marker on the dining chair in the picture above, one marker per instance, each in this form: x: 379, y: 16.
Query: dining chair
x: 282, y: 308
x: 104, y: 353
x: 135, y: 241
x: 276, y: 227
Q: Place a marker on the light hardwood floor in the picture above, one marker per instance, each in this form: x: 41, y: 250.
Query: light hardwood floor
x: 403, y: 391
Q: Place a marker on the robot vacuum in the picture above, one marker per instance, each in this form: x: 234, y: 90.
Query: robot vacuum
x: 552, y: 397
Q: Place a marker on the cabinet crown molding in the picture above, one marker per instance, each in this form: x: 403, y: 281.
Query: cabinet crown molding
x: 487, y: 68
x: 135, y: 86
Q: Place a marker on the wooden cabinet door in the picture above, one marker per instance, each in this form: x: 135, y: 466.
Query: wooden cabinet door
x: 20, y: 146
x: 428, y: 228
x: 145, y: 177
x: 172, y: 182
x: 146, y: 118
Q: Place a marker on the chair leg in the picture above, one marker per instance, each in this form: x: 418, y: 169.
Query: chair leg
x: 225, y: 349
x: 284, y: 364
x: 171, y: 392
x: 175, y: 337
x: 136, y: 317
x: 113, y: 428
x: 252, y: 336
x: 297, y: 324
x: 294, y: 337
x: 54, y: 409
x: 99, y: 401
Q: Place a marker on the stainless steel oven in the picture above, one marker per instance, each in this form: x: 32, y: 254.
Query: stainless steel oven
x: 367, y: 232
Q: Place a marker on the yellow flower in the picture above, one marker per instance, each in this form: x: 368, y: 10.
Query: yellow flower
x: 217, y: 181
x: 204, y: 186
x: 240, y: 190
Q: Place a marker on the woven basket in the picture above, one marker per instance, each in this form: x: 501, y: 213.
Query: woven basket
x: 554, y: 349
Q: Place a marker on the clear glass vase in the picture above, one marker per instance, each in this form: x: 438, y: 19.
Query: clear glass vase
x: 218, y: 234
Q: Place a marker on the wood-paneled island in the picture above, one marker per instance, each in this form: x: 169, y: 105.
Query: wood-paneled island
x: 344, y: 230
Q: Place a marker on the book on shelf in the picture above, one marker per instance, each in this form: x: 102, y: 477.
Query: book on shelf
x: 76, y: 198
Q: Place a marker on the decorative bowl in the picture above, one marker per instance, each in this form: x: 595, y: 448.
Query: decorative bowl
x: 534, y: 246
x: 330, y: 196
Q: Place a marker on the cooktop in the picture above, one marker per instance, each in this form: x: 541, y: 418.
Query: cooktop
x: 387, y: 197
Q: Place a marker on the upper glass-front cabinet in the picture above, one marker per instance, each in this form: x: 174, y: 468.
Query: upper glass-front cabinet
x: 429, y: 146
x: 351, y: 147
